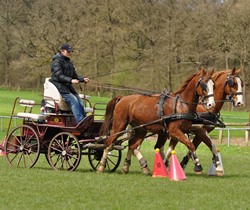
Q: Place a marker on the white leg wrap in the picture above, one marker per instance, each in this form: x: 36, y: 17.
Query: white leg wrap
x: 168, y: 154
x: 138, y: 154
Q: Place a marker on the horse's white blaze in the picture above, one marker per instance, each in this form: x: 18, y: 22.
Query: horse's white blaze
x: 210, y: 91
x: 239, y: 100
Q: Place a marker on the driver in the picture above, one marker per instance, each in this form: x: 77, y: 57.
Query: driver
x: 63, y: 76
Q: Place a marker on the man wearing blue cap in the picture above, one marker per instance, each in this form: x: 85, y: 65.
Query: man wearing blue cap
x: 63, y: 76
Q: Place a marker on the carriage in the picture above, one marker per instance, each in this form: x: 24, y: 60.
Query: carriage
x: 56, y: 134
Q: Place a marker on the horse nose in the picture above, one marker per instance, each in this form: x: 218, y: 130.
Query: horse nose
x: 210, y: 105
x: 239, y: 103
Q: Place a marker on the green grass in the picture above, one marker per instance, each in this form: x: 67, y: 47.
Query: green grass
x: 43, y: 188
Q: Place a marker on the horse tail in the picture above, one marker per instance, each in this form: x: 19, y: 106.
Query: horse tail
x: 108, y: 119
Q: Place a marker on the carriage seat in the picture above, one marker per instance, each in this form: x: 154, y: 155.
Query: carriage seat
x: 39, y: 117
x: 52, y: 98
x: 28, y: 115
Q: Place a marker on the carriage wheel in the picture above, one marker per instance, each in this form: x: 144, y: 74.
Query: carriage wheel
x: 22, y: 147
x: 64, y: 152
x: 113, y: 160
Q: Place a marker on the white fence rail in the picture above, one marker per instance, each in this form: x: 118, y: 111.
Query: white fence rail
x: 228, y: 129
x: 4, y: 122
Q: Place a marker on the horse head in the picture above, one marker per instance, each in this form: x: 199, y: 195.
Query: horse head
x: 234, y: 88
x: 205, y: 88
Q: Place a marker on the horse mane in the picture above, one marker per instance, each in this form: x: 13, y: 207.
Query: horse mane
x: 186, y: 82
x: 219, y: 73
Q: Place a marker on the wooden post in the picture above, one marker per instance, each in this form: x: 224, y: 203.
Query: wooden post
x: 247, y: 135
x: 220, y: 135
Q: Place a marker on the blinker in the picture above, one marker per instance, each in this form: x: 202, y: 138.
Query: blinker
x: 230, y: 81
x: 203, y: 86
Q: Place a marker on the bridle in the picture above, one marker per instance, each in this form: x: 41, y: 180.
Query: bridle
x: 230, y: 82
x: 203, y: 86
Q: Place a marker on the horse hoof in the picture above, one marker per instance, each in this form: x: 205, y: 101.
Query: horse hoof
x: 198, y: 169
x: 198, y: 172
x: 100, y: 170
x: 219, y: 173
x: 146, y: 171
x: 219, y: 170
x: 124, y: 171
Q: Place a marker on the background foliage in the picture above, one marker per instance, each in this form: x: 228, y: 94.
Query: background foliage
x: 147, y: 44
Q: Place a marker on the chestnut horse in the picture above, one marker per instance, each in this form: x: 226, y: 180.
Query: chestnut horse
x: 144, y: 114
x: 227, y: 83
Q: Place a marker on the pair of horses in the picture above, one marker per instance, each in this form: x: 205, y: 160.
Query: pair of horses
x: 172, y: 116
x: 228, y: 87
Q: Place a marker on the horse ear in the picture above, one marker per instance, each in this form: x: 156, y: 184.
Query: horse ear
x: 211, y: 72
x: 203, y: 71
x: 238, y: 71
x: 233, y: 71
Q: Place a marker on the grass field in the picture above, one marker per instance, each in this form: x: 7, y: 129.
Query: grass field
x: 43, y: 188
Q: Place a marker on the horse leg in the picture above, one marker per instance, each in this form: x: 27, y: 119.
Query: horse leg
x: 127, y: 162
x: 208, y: 141
x: 134, y: 148
x: 196, y: 141
x: 178, y: 134
x: 201, y: 135
x: 109, y: 143
x: 217, y: 162
x: 173, y: 142
x: 161, y: 140
x: 142, y: 161
x: 103, y: 160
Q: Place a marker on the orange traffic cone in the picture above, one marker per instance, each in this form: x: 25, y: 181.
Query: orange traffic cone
x: 176, y: 171
x: 160, y: 169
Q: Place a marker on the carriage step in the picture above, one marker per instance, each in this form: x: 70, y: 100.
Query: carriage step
x: 102, y: 146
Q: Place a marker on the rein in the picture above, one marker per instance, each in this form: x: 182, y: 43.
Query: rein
x: 124, y: 88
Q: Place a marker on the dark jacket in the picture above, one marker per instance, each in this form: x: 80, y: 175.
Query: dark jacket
x: 63, y: 71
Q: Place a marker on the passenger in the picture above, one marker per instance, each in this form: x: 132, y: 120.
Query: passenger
x: 63, y: 76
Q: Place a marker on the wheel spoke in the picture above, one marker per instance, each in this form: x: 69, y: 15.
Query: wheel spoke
x: 66, y: 148
x: 113, y: 159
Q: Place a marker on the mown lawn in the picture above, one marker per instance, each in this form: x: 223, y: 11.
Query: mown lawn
x: 43, y: 188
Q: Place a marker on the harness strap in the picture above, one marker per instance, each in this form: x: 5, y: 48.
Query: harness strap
x: 161, y: 103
